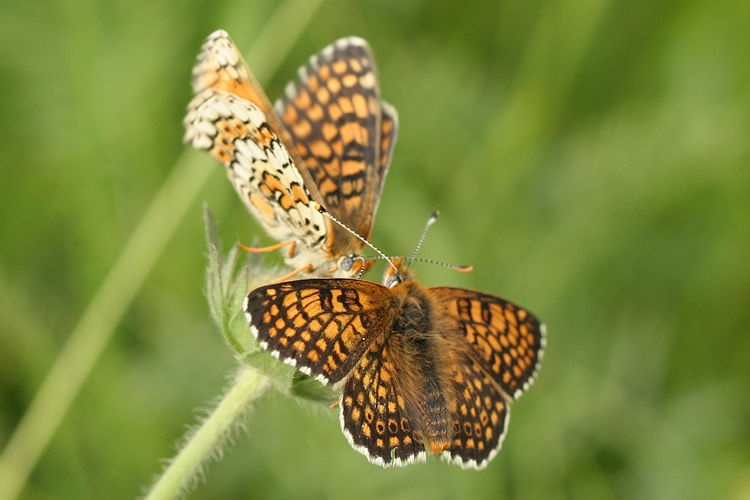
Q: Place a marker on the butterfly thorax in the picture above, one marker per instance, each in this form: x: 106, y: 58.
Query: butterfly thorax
x: 417, y: 339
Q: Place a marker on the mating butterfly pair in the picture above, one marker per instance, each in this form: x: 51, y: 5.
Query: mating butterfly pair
x: 422, y: 368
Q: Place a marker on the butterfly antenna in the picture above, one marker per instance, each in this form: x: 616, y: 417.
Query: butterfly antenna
x: 456, y: 267
x: 429, y: 223
x: 322, y: 210
x: 460, y: 269
x: 362, y: 268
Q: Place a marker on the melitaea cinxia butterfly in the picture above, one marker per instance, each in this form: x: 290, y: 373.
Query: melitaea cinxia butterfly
x: 422, y: 368
x: 328, y: 140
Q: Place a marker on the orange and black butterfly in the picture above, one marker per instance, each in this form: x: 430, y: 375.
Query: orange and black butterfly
x: 328, y: 140
x: 422, y: 368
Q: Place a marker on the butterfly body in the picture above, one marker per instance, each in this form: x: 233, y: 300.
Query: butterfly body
x: 423, y: 351
x: 421, y: 368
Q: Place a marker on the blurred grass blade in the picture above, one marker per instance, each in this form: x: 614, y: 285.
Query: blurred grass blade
x: 125, y: 278
x: 98, y: 322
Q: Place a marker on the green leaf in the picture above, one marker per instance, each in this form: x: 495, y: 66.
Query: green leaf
x: 227, y: 285
x: 306, y: 387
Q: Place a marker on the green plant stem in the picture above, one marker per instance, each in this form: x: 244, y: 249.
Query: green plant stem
x: 96, y: 326
x: 127, y: 275
x: 247, y: 386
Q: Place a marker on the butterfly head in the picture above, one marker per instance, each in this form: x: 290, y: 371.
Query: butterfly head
x: 351, y: 265
x: 398, y: 273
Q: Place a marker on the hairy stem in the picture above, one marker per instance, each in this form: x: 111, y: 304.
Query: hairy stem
x: 208, y: 438
x: 127, y: 275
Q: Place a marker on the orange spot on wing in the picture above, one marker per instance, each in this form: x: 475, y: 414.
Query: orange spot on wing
x: 349, y: 80
x: 302, y: 128
x: 351, y: 167
x: 302, y: 101
x: 259, y: 203
x: 315, y: 113
x: 346, y: 105
x: 323, y: 95
x: 321, y: 149
x: 333, y: 85
x: 331, y: 331
x: 330, y: 131
x: 340, y: 67
x: 299, y: 194
x: 360, y: 105
x: 335, y: 112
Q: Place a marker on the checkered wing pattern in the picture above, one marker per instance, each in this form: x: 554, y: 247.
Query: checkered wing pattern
x: 374, y: 414
x: 322, y: 327
x: 235, y: 132
x: 344, y: 133
x: 221, y: 67
x: 480, y: 417
x: 507, y: 340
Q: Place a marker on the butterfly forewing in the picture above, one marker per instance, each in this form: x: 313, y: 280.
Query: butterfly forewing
x: 220, y: 66
x: 373, y: 411
x: 342, y: 131
x: 507, y: 340
x: 323, y: 327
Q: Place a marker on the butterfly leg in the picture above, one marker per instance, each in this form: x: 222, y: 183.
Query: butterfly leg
x: 304, y: 269
x: 292, y: 247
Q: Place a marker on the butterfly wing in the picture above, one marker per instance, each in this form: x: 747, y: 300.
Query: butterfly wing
x: 388, y: 135
x: 374, y: 416
x: 321, y: 326
x: 220, y: 66
x: 480, y: 416
x: 235, y: 131
x: 344, y: 133
x: 507, y: 340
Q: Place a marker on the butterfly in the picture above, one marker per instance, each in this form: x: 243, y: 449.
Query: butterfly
x: 329, y: 140
x: 422, y: 368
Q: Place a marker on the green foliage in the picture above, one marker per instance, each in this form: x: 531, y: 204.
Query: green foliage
x: 589, y: 159
x: 226, y: 289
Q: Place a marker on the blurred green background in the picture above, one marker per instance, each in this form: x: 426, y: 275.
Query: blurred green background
x: 589, y: 158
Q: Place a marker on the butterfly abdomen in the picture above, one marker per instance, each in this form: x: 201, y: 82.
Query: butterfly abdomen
x: 427, y: 389
x: 437, y: 423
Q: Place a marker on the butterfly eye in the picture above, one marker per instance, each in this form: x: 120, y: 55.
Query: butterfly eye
x: 346, y: 263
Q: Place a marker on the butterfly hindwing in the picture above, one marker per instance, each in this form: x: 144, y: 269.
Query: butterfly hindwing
x: 480, y: 416
x: 374, y: 417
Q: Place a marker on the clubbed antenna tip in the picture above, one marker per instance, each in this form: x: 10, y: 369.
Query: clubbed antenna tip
x: 430, y: 222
